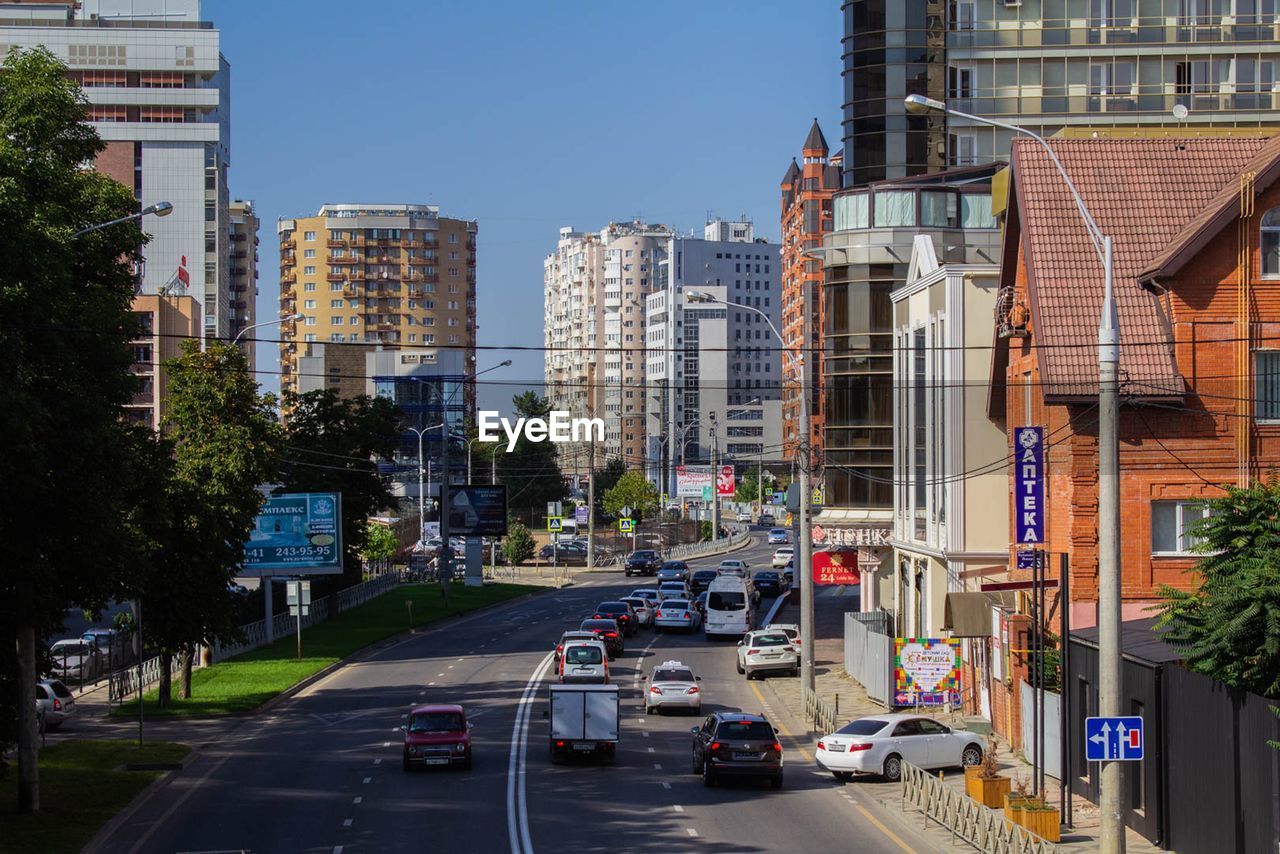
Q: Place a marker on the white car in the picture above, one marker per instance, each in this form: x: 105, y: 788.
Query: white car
x: 744, y: 517
x: 767, y: 651
x: 76, y: 660
x: 791, y: 630
x: 644, y: 614
x: 734, y: 567
x: 676, y: 613
x: 783, y: 556
x: 880, y: 744
x: 648, y: 594
x: 584, y: 661
x: 672, y: 685
x: 672, y: 590
x: 54, y: 700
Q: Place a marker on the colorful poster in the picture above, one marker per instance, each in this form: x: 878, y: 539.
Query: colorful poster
x: 690, y: 480
x: 724, y: 482
x: 926, y: 672
x: 296, y: 534
x: 836, y: 567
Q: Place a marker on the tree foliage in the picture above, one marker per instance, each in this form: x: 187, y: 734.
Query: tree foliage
x: 531, y: 471
x: 606, y: 478
x: 748, y: 485
x: 635, y: 491
x: 380, y: 543
x: 1229, y: 626
x: 519, y: 545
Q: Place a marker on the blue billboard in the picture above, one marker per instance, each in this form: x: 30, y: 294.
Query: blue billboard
x: 1028, y: 501
x: 298, y: 534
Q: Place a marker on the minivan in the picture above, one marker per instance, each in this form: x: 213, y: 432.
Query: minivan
x: 730, y: 607
x: 584, y: 661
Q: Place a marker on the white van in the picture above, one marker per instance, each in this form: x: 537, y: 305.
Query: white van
x: 584, y: 661
x: 730, y: 607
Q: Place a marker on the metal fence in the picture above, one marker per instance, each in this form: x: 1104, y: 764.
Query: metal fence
x: 819, y: 711
x: 966, y: 819
x: 1052, y: 729
x: 868, y: 652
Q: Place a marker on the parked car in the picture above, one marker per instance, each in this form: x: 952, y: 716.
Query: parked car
x: 55, y: 702
x: 564, y: 554
x: 769, y: 583
x: 608, y: 631
x: 783, y: 556
x: 677, y: 614
x: 701, y: 580
x: 571, y: 635
x: 744, y: 516
x: 733, y: 567
x: 75, y: 659
x: 644, y: 614
x: 767, y: 651
x: 673, y: 570
x: 879, y: 744
x: 584, y: 661
x: 622, y: 612
x: 437, y: 734
x: 642, y: 562
x: 733, y: 744
x: 778, y: 536
x: 791, y: 630
x: 672, y: 685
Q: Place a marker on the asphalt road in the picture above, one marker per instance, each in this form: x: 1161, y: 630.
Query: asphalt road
x: 321, y: 771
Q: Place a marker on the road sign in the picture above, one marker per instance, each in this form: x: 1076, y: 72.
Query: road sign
x: 554, y: 524
x: 1026, y: 558
x: 768, y: 492
x: 626, y: 526
x: 1108, y: 739
x: 706, y: 493
x: 580, y: 514
x: 626, y: 510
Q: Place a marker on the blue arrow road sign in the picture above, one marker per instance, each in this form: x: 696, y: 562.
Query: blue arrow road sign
x: 1108, y: 739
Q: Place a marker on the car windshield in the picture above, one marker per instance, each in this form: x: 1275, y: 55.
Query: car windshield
x: 674, y: 604
x: 636, y: 603
x: 770, y: 640
x: 672, y: 675
x: 730, y: 600
x: 642, y: 555
x: 744, y: 729
x: 778, y: 531
x: 585, y: 654
x: 866, y: 726
x: 436, y: 722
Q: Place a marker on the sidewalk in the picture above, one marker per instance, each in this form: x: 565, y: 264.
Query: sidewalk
x: 840, y: 690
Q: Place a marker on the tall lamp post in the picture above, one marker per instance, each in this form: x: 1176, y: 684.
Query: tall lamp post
x: 158, y: 209
x: 290, y: 319
x: 1109, y: 652
x: 805, y: 564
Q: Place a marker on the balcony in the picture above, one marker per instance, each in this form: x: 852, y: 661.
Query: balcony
x: 288, y: 278
x: 344, y: 259
x: 336, y: 276
x: 350, y: 291
x: 336, y: 244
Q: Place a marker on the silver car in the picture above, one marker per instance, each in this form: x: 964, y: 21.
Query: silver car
x: 672, y: 590
x: 75, y: 659
x: 677, y: 614
x: 641, y: 606
x: 54, y: 701
x: 672, y: 685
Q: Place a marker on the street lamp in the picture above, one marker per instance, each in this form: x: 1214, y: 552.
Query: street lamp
x: 290, y: 319
x: 1109, y: 653
x: 159, y: 209
x: 805, y: 563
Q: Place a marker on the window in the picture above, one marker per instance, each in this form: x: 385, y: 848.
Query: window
x: 311, y: 320
x: 1267, y: 369
x: 309, y: 303
x: 1171, y: 522
x: 938, y: 209
x: 308, y: 235
x: 309, y: 287
x: 960, y: 81
x: 308, y: 253
x: 975, y: 211
x: 1111, y: 13
x: 895, y: 208
x: 309, y: 271
x: 337, y: 320
x: 1270, y: 243
x: 962, y: 14
x: 964, y: 149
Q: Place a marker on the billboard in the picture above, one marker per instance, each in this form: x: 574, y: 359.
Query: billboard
x: 926, y: 671
x: 691, y: 479
x: 836, y: 567
x: 296, y: 534
x: 1029, y: 482
x: 478, y: 510
x: 724, y: 482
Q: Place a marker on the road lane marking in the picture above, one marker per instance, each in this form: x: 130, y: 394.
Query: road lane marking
x: 429, y: 684
x: 781, y: 726
x: 450, y: 668
x: 387, y: 743
x: 357, y: 799
x: 657, y: 766
x: 461, y: 659
x: 645, y: 733
x: 886, y: 831
x: 651, y: 750
x: 439, y: 675
x: 677, y: 808
x: 377, y: 762
x: 346, y: 822
x: 517, y: 803
x: 691, y: 831
x: 337, y: 849
x: 666, y: 785
x: 368, y: 780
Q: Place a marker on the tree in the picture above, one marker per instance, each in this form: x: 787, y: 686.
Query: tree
x: 1227, y: 626
x: 380, y: 543
x: 331, y: 446
x: 65, y: 325
x: 225, y: 444
x: 606, y: 479
x: 518, y: 546
x: 635, y: 491
x: 531, y: 471
x: 748, y: 485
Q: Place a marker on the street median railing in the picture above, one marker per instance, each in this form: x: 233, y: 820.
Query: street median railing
x: 984, y: 829
x: 688, y: 550
x: 824, y: 717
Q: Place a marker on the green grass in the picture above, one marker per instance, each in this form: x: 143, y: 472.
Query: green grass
x: 245, y: 682
x: 82, y: 785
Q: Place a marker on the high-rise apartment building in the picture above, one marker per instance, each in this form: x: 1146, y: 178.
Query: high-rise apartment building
x: 244, y: 272
x: 807, y: 190
x: 393, y: 276
x: 1184, y: 65
x: 164, y: 322
x: 159, y: 97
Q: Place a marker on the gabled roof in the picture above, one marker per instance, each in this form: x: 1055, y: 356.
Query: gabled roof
x: 1142, y: 193
x: 815, y: 141
x: 1222, y: 210
x: 793, y: 172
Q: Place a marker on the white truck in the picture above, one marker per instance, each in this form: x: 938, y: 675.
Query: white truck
x: 584, y: 721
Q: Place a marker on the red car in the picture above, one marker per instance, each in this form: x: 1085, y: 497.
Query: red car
x: 437, y: 735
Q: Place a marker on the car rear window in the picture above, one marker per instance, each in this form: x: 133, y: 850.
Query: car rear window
x: 601, y: 625
x: 584, y: 654
x: 705, y: 574
x: 671, y: 675
x: 744, y: 729
x: 637, y: 602
x: 768, y: 576
x: 620, y: 607
x: 71, y: 649
x: 59, y: 689
x: 866, y: 726
x: 730, y: 600
x: 674, y: 604
x: 436, y: 722
x: 770, y: 640
x: 41, y: 694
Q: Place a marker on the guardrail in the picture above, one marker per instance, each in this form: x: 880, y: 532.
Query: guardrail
x: 687, y: 550
x: 825, y: 719
x: 984, y: 829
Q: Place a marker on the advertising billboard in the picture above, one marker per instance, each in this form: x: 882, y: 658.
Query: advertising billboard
x: 478, y: 510
x: 690, y: 480
x: 836, y: 567
x: 296, y: 534
x: 926, y: 671
x: 724, y: 482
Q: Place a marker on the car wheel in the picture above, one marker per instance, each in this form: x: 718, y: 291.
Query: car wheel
x: 795, y: 671
x: 775, y: 783
x: 695, y: 768
x: 971, y: 755
x: 739, y: 666
x: 648, y: 710
x: 893, y: 768
x: 555, y: 757
x: 708, y: 775
x: 843, y: 776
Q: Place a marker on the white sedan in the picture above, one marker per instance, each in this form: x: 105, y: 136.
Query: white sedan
x: 673, y: 685
x: 677, y: 614
x: 644, y: 614
x: 783, y: 556
x: 880, y: 744
x: 767, y: 651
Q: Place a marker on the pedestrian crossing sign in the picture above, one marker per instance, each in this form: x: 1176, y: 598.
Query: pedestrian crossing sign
x: 626, y: 526
x: 553, y: 524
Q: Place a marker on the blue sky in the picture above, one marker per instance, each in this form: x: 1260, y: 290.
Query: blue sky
x: 526, y: 116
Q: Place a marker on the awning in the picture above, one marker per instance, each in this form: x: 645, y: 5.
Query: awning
x: 968, y: 615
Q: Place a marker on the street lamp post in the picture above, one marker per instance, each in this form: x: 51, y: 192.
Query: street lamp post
x: 158, y: 209
x: 1109, y: 652
x: 289, y: 319
x: 805, y: 564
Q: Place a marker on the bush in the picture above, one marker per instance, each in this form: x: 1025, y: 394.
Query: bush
x: 518, y: 546
x: 704, y: 530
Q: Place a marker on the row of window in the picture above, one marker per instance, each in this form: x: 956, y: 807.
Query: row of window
x: 336, y: 338
x: 380, y: 234
x: 428, y: 287
x: 339, y: 320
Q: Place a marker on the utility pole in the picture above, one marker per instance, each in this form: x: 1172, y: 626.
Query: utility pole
x: 591, y: 505
x: 715, y: 482
x: 805, y: 567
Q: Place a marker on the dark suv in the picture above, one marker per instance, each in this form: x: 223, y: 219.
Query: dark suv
x: 623, y: 613
x: 733, y: 744
x: 701, y: 580
x: 643, y: 562
x: 608, y: 631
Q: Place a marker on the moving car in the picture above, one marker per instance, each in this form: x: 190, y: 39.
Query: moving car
x: 677, y: 614
x: 54, y: 701
x: 644, y: 614
x: 673, y: 570
x: 744, y: 516
x: 733, y: 744
x: 769, y: 583
x: 649, y: 594
x: 622, y: 612
x: 438, y: 734
x: 701, y: 579
x: 668, y: 589
x: 789, y: 572
x: 115, y: 648
x: 572, y: 635
x: 783, y: 556
x: 642, y: 562
x: 730, y: 607
x: 564, y: 554
x: 672, y: 685
x: 608, y: 631
x: 734, y: 567
x: 767, y: 651
x: 700, y: 602
x: 584, y: 661
x: 766, y: 519
x: 779, y: 535
x: 75, y: 659
x: 879, y: 744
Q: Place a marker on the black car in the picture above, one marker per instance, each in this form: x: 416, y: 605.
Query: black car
x: 733, y: 744
x: 766, y: 520
x: 565, y: 554
x: 701, y: 580
x: 769, y: 583
x: 608, y: 631
x: 623, y: 613
x: 643, y: 562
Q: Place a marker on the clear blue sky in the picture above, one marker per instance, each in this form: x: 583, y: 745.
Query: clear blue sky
x: 526, y: 116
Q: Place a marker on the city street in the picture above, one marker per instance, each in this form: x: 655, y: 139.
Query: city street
x: 321, y: 772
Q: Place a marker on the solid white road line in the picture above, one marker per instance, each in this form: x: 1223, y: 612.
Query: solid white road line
x: 517, y: 805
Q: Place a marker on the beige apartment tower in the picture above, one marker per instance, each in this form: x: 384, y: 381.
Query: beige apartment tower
x: 244, y: 272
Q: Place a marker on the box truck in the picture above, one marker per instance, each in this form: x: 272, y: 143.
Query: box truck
x: 584, y: 721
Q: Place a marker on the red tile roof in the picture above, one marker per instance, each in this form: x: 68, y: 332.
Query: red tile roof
x: 1142, y: 193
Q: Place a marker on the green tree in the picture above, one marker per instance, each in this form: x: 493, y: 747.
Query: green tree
x: 65, y: 325
x: 531, y: 471
x: 749, y: 483
x: 1229, y: 626
x: 606, y: 479
x: 380, y: 544
x: 518, y: 546
x: 331, y: 444
x: 635, y: 491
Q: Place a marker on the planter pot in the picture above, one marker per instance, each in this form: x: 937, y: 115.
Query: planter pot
x: 989, y: 793
x: 971, y: 771
x: 1042, y: 822
x: 1013, y: 807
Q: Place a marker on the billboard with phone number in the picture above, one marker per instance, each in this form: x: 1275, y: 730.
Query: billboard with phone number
x: 297, y: 534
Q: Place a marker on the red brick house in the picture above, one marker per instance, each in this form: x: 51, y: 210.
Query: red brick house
x: 1196, y: 230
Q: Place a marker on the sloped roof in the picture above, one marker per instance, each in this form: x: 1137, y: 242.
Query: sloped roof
x: 1142, y: 193
x: 793, y: 172
x: 815, y: 141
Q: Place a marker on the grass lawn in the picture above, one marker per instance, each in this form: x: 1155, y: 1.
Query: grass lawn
x: 82, y: 785
x: 245, y: 682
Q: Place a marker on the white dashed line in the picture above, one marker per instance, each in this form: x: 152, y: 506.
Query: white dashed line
x: 691, y: 831
x: 677, y: 808
x: 450, y: 668
x: 357, y: 799
x: 657, y: 766
x: 666, y: 785
x: 651, y: 750
x: 645, y: 733
x: 368, y: 780
x: 346, y: 822
x: 337, y: 849
x: 377, y: 762
x: 387, y: 743
x: 438, y: 675
x: 461, y: 659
